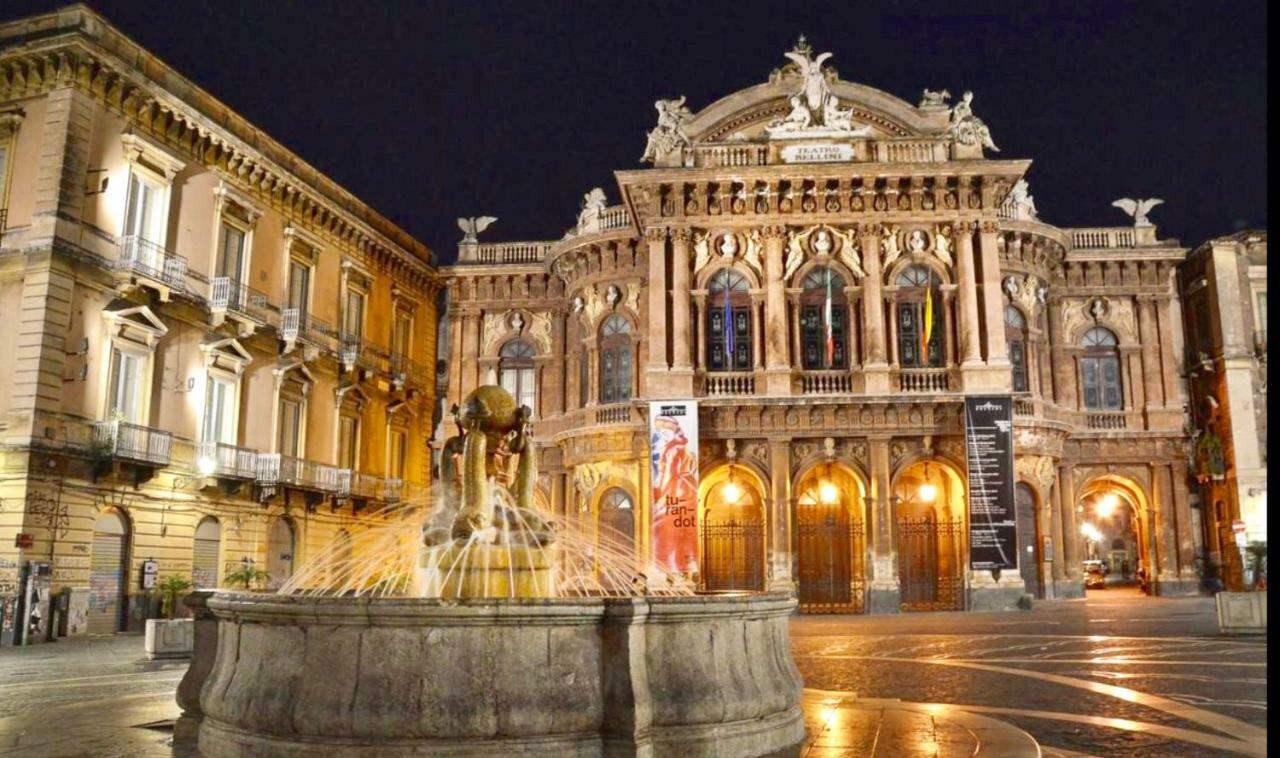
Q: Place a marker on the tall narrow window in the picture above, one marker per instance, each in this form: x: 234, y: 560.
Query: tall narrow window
x: 206, y: 553
x: 353, y: 325
x: 517, y: 374
x: 400, y: 338
x: 124, y: 399
x: 143, y: 213
x: 230, y: 262
x: 348, y: 441
x: 220, y: 411
x: 290, y: 442
x: 824, y: 323
x: 1100, y: 370
x: 918, y: 308
x: 1015, y: 335
x: 728, y: 322
x: 615, y: 360
x: 396, y: 454
x: 299, y: 286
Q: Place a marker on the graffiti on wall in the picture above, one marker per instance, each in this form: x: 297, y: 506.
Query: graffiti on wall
x: 49, y: 511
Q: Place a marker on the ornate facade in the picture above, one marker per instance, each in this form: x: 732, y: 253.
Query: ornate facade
x: 217, y: 357
x: 829, y: 271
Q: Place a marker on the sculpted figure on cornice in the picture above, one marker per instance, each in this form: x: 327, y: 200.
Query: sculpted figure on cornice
x: 669, y: 134
x: 815, y: 110
x: 943, y: 243
x: 934, y: 98
x: 889, y: 250
x: 633, y: 297
x: 1037, y: 470
x: 968, y: 129
x: 701, y: 250
x: 1020, y: 205
x: 1025, y: 290
x: 593, y: 306
x: 1116, y: 314
x: 540, y: 331
x: 823, y: 241
x: 494, y: 328
x: 752, y: 255
x: 592, y: 206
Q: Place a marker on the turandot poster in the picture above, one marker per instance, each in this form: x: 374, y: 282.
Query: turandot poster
x: 673, y: 454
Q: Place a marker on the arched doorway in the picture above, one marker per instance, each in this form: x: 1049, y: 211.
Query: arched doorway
x: 1024, y: 503
x: 732, y: 527
x: 616, y: 539
x: 1117, y: 535
x: 107, y: 582
x: 932, y: 542
x: 205, y: 553
x: 831, y: 547
x: 281, y: 541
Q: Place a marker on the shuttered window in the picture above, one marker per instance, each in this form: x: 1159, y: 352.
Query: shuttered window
x: 204, y: 559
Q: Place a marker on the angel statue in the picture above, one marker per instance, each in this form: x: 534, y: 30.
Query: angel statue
x: 815, y: 84
x: 1138, y: 209
x: 669, y: 133
x: 848, y: 253
x: 889, y: 250
x: 472, y: 226
x: 795, y: 252
x: 754, y: 245
x: 967, y: 128
x: 934, y: 98
x: 701, y: 250
x: 942, y: 244
x: 592, y: 206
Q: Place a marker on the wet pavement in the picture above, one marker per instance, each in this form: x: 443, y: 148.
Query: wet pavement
x: 1116, y: 674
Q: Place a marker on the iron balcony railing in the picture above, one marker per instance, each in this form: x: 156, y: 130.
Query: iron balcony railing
x: 297, y: 325
x: 275, y: 469
x: 358, y: 485
x: 131, y: 442
x: 406, y: 371
x: 359, y: 351
x: 143, y: 257
x: 227, y: 294
x: 227, y: 461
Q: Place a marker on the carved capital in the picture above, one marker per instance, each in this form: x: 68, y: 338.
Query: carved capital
x: 655, y: 234
x: 773, y: 231
x: 868, y: 229
x: 966, y: 228
x: 990, y: 227
x: 680, y: 235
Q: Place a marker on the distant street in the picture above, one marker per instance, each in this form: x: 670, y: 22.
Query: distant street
x: 1114, y: 674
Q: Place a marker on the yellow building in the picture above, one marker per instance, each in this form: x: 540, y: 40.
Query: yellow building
x: 215, y: 354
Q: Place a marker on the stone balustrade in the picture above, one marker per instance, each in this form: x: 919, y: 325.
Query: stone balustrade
x: 513, y: 252
x: 1104, y: 237
x: 924, y: 380
x: 729, y: 383
x: 826, y: 382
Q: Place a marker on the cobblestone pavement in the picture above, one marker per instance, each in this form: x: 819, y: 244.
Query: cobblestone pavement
x: 1116, y: 674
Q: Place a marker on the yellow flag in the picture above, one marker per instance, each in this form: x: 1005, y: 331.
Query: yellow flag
x: 928, y: 326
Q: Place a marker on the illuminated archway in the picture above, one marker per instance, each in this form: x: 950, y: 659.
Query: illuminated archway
x: 831, y: 539
x: 732, y: 524
x: 1115, y: 508
x: 931, y: 536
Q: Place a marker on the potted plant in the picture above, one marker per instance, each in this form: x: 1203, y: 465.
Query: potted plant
x: 248, y: 577
x: 1246, y: 612
x: 168, y: 637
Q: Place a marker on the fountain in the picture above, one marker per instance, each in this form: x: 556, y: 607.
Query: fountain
x: 475, y: 623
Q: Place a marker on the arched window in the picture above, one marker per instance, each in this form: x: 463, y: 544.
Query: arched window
x: 1015, y: 334
x: 918, y: 308
x: 824, y: 321
x: 618, y: 519
x: 728, y: 322
x: 206, y: 552
x: 1100, y: 370
x: 615, y: 359
x: 516, y: 373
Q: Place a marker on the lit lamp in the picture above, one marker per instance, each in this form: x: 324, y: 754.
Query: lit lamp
x: 206, y: 466
x: 731, y: 492
x: 928, y: 491
x: 828, y: 493
x: 1107, y: 505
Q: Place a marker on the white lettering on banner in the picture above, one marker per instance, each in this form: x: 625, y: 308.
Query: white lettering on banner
x: 817, y: 153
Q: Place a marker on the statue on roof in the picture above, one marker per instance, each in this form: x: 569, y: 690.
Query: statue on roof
x: 1020, y: 205
x: 815, y: 110
x: 968, y: 129
x: 592, y: 206
x: 669, y: 133
x: 1138, y: 209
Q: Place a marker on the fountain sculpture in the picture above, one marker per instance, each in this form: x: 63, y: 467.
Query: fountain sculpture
x: 479, y: 624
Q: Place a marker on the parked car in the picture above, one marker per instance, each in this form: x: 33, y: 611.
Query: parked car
x: 1095, y: 579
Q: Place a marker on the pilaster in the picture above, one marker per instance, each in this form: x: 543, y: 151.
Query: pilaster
x: 876, y: 368
x: 777, y: 367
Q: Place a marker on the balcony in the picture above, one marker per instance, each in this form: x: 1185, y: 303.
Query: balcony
x: 826, y: 382
x: 400, y: 491
x: 295, y: 326
x: 131, y: 443
x: 620, y: 413
x: 405, y: 372
x: 358, y: 486
x: 276, y: 470
x: 227, y: 461
x: 512, y: 252
x: 227, y: 296
x: 356, y: 351
x: 145, y: 263
x: 724, y: 383
x: 924, y: 380
x: 1106, y: 420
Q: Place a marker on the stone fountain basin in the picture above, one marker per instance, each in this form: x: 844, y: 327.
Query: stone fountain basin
x: 297, y: 676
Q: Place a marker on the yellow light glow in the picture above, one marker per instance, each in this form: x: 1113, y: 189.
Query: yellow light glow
x: 731, y: 492
x: 928, y: 492
x: 1107, y: 505
x: 1090, y: 532
x: 206, y: 465
x: 828, y: 493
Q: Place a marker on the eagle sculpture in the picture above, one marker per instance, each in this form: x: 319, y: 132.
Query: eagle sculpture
x: 1138, y: 209
x: 472, y: 226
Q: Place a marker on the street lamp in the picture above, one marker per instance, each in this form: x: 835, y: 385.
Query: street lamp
x: 731, y: 492
x: 928, y: 491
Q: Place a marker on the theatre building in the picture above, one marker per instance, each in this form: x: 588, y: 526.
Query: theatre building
x: 828, y: 272
x: 214, y: 357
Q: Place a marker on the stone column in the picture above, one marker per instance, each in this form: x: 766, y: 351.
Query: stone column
x: 1166, y: 508
x: 948, y: 321
x: 758, y: 317
x: 1171, y: 350
x: 1134, y: 385
x: 778, y: 370
x: 1056, y: 522
x: 681, y: 341
x: 1151, y: 368
x: 700, y: 306
x: 657, y: 364
x: 593, y: 371
x: 855, y: 335
x: 997, y: 350
x: 470, y: 353
x: 876, y: 369
x: 780, y: 552
x: 884, y: 594
x: 970, y: 343
x: 456, y: 322
x: 556, y: 400
x: 1064, y: 368
x: 1182, y: 512
x: 1070, y: 532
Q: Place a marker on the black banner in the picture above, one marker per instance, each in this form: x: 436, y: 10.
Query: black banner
x: 988, y: 436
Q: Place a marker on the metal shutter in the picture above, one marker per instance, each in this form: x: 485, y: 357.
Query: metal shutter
x: 204, y: 570
x: 106, y: 582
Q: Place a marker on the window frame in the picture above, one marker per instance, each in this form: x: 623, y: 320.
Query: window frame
x: 741, y: 312
x: 910, y: 297
x: 811, y: 302
x: 524, y: 369
x: 1094, y: 359
x: 617, y: 382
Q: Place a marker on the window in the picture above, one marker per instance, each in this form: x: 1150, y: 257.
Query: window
x: 230, y: 263
x: 290, y: 438
x: 348, y: 441
x: 584, y: 377
x: 1100, y: 370
x: 220, y: 410
x: 204, y: 563
x: 299, y: 286
x: 918, y: 309
x: 516, y: 373
x: 728, y: 322
x: 401, y: 334
x: 617, y: 520
x: 824, y: 321
x: 615, y: 359
x: 353, y: 323
x: 144, y: 211
x: 395, y: 454
x: 124, y: 394
x: 1015, y: 334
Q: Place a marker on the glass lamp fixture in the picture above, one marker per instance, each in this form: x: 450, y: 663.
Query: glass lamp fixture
x: 731, y: 492
x: 828, y: 493
x: 928, y: 491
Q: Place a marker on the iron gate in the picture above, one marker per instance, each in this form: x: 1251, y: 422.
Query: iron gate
x: 733, y: 555
x: 832, y: 563
x: 931, y: 564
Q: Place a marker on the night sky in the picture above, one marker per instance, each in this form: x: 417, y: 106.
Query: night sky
x: 433, y: 110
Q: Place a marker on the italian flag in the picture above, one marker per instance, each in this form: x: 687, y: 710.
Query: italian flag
x: 927, y: 332
x: 830, y: 334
